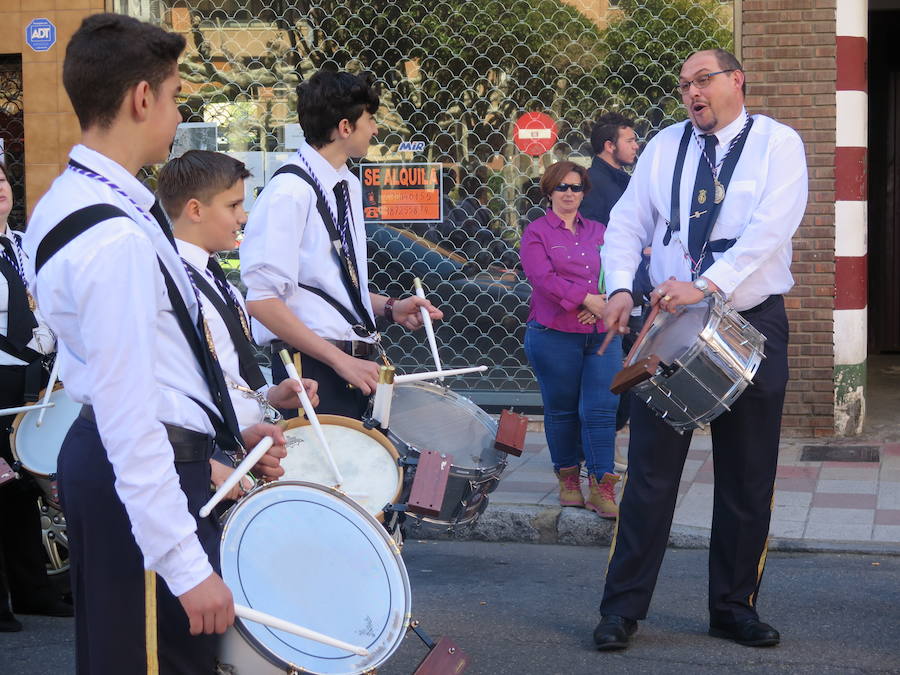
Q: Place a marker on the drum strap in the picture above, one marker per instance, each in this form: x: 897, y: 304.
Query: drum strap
x: 717, y: 245
x: 246, y: 361
x: 363, y: 326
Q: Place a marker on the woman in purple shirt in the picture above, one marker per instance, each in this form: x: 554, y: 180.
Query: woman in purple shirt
x: 561, y: 258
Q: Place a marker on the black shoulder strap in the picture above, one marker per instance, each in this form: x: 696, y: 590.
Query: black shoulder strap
x: 224, y: 437
x: 70, y: 227
x: 675, y: 207
x: 325, y: 214
x: 246, y: 362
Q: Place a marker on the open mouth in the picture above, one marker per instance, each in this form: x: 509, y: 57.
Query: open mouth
x: 698, y: 107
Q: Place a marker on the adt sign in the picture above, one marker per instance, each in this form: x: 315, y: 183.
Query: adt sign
x: 40, y: 35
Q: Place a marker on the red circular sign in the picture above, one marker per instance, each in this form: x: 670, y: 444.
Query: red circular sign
x: 535, y: 133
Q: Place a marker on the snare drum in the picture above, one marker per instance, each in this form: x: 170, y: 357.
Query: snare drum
x: 308, y: 554
x: 426, y: 416
x: 368, y: 461
x: 36, y: 448
x: 708, y: 355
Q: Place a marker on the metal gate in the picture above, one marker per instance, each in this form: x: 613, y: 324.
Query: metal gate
x: 455, y: 77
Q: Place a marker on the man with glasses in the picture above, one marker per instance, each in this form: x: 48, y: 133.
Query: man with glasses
x: 718, y: 198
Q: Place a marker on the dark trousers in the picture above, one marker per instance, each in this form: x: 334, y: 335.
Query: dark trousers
x: 335, y: 398
x: 107, y: 568
x: 23, y: 571
x: 745, y: 455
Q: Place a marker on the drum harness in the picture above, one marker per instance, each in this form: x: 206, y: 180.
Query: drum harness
x: 362, y: 324
x: 723, y: 178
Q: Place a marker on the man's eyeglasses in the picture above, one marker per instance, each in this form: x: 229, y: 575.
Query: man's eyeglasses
x: 574, y: 187
x: 701, y: 81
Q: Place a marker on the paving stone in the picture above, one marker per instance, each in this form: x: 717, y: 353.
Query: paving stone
x: 840, y: 516
x: 838, y: 532
x: 869, y: 487
x: 844, y: 501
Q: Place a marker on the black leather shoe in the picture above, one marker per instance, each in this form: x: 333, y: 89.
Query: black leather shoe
x: 750, y: 633
x: 9, y: 623
x: 613, y: 632
x: 57, y: 608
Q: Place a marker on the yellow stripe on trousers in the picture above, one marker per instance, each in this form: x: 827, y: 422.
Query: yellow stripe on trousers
x: 765, y: 552
x: 612, y: 544
x: 299, y: 367
x: 150, y: 639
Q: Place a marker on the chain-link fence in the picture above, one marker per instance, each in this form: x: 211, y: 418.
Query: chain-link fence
x: 12, y: 133
x: 456, y: 78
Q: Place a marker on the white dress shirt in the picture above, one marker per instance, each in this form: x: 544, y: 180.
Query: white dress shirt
x: 43, y: 341
x: 246, y: 408
x: 285, y: 241
x: 763, y: 207
x: 105, y: 297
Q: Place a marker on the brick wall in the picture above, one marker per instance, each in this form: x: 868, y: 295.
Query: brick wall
x: 788, y: 50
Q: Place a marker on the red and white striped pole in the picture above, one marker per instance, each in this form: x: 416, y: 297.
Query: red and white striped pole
x: 850, y: 218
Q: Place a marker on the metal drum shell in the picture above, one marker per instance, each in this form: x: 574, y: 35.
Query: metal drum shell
x: 703, y: 382
x: 470, y: 481
x: 241, y: 651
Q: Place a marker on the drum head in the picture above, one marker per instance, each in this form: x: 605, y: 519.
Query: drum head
x: 672, y: 335
x: 37, y: 447
x: 366, y: 459
x: 307, y: 554
x: 426, y: 416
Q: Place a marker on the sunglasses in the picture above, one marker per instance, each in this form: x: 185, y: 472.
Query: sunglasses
x: 574, y: 187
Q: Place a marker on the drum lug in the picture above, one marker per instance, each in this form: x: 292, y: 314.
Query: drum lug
x: 407, y: 461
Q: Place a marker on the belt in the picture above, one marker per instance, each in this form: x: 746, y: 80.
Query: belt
x: 765, y: 304
x: 188, y: 445
x: 356, y: 348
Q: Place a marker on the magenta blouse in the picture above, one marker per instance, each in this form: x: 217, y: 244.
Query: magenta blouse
x: 562, y: 267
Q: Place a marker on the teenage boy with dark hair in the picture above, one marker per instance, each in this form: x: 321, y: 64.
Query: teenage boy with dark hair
x: 303, y: 257
x: 203, y: 194
x: 133, y: 469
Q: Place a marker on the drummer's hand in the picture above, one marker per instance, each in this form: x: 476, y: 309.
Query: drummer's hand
x: 209, y: 606
x: 587, y: 317
x: 361, y: 373
x: 284, y: 394
x: 406, y: 312
x: 617, y: 311
x: 219, y: 472
x: 671, y: 294
x: 269, y: 465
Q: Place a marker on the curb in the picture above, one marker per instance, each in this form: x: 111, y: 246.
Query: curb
x: 577, y: 527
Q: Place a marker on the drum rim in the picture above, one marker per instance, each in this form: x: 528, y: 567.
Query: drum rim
x: 713, y: 319
x: 262, y: 650
x: 14, y: 430
x: 356, y: 425
x: 466, y: 403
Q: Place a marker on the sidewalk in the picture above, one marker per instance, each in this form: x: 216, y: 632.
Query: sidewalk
x: 819, y: 505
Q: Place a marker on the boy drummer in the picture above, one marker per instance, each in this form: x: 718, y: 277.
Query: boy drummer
x: 203, y: 194
x: 303, y: 257
x: 134, y: 469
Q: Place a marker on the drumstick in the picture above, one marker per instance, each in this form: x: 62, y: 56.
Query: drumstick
x: 648, y: 322
x: 54, y: 374
x: 240, y: 471
x: 413, y: 377
x: 25, y: 408
x: 310, y: 413
x: 429, y: 329
x: 256, y: 616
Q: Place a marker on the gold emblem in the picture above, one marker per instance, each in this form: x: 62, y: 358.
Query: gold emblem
x: 209, y: 340
x: 720, y: 192
x: 701, y: 197
x: 32, y: 305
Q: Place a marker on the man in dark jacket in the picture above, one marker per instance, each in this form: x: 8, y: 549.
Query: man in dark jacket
x: 615, y: 146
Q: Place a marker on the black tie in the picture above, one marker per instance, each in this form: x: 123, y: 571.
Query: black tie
x: 343, y: 225
x: 702, y: 200
x: 162, y: 219
x: 20, y: 319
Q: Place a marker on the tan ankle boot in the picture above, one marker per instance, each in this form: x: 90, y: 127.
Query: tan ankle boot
x: 602, y: 499
x: 570, y: 487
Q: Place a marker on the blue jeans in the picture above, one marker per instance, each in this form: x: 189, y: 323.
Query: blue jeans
x: 579, y: 408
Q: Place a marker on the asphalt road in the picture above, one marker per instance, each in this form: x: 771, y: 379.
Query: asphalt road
x: 527, y: 609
